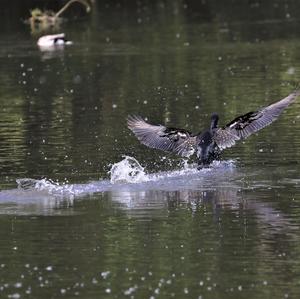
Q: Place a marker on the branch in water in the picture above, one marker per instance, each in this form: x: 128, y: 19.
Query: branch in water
x: 66, y: 6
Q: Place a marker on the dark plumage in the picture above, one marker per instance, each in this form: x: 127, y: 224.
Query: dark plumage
x: 207, y: 144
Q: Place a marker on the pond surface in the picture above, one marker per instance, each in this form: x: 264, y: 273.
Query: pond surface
x: 76, y: 224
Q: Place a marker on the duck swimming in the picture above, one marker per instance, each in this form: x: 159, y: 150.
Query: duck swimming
x: 207, y: 145
x: 49, y: 41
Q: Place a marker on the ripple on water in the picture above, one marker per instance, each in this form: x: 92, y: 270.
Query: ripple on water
x: 127, y: 172
x: 127, y: 177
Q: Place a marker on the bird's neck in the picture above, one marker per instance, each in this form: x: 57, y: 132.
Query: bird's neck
x: 214, y: 122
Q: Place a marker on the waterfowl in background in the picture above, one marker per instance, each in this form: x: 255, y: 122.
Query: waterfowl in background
x: 51, y: 41
x: 207, y: 145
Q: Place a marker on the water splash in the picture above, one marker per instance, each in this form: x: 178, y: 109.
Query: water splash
x: 128, y: 174
x: 129, y: 170
x: 45, y: 185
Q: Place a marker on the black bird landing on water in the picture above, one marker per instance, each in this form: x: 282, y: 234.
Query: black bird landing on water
x: 207, y: 144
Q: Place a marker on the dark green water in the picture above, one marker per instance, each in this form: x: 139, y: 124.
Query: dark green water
x: 228, y: 232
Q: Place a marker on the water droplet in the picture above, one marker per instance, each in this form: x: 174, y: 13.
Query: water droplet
x: 18, y: 285
x: 105, y: 274
x: 14, y: 296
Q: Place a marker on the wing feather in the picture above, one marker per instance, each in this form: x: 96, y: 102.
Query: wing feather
x: 174, y: 140
x: 251, y: 122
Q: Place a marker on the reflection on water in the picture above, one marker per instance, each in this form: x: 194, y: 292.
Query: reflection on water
x: 90, y: 223
x: 221, y: 186
x: 179, y: 232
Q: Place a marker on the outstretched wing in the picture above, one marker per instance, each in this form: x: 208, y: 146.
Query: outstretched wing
x: 174, y: 140
x: 247, y: 124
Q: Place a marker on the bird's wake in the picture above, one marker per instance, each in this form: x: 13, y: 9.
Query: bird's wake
x: 125, y: 175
